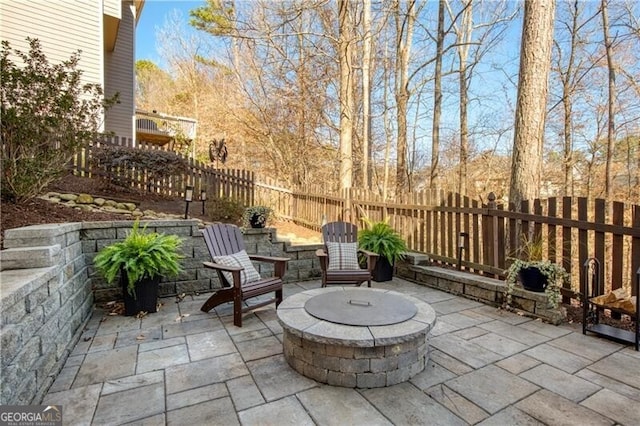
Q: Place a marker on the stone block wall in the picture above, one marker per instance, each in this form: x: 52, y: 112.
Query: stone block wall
x: 49, y: 285
x: 483, y: 289
x: 45, y: 301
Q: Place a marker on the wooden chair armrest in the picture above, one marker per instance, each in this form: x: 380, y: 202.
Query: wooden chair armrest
x: 221, y: 267
x: 368, y: 253
x: 270, y: 259
x: 279, y: 263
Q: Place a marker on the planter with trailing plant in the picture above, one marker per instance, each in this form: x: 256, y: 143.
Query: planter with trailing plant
x: 140, y: 261
x: 539, y: 276
x: 256, y: 216
x: 381, y: 238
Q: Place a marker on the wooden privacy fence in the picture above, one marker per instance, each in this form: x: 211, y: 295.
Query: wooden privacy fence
x: 481, y: 238
x: 218, y: 183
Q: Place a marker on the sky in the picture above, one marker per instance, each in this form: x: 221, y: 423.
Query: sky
x: 153, y: 16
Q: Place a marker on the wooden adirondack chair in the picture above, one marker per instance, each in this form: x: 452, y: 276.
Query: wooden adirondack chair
x: 344, y: 232
x: 225, y: 240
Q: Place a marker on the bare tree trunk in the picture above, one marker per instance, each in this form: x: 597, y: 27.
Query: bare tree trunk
x: 437, y: 99
x: 535, y: 61
x: 346, y: 94
x: 567, y: 103
x: 611, y: 98
x: 404, y: 35
x: 463, y: 50
x: 366, y: 95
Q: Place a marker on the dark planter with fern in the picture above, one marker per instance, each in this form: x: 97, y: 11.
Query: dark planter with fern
x: 381, y: 238
x: 140, y: 261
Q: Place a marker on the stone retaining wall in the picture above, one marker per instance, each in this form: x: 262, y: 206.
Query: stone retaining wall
x: 483, y: 289
x: 49, y: 286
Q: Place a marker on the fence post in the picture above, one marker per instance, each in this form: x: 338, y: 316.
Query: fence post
x: 489, y: 232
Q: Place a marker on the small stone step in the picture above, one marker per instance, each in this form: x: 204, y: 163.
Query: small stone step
x: 30, y: 257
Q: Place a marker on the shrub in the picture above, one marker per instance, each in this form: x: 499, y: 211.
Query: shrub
x: 225, y: 210
x: 157, y: 164
x: 47, y: 115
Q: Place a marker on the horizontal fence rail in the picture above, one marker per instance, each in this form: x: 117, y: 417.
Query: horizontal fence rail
x: 484, y: 237
x: 453, y: 230
x: 218, y: 183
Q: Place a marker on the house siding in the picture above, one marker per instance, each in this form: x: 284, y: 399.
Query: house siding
x: 63, y: 27
x: 120, y: 75
x: 113, y: 8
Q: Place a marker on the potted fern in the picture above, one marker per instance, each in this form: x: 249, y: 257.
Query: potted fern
x: 379, y: 237
x: 140, y: 261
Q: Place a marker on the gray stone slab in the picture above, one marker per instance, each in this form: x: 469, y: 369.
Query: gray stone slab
x: 441, y: 328
x: 191, y: 327
x: 338, y: 406
x: 518, y: 363
x: 159, y: 359
x: 558, y: 358
x: 204, y: 372
x: 130, y: 405
x: 209, y: 344
x: 219, y: 411
x: 251, y: 335
x: 196, y: 396
x: 501, y: 315
x: 461, y: 320
x: 113, y: 324
x: 549, y: 330
x: 454, y: 305
x: 138, y: 337
x: 244, y: 393
x: 586, y: 346
x: 276, y: 379
x: 609, y: 383
x: 470, y: 333
x: 132, y: 382
x: 514, y: 332
x: 492, y: 388
x: 449, y: 362
x: 564, y: 384
x: 286, y: 411
x: 550, y: 408
x: 65, y: 378
x: 405, y: 404
x: 250, y: 322
x: 102, y: 366
x: 499, y: 344
x: 620, y: 366
x: 165, y: 343
x: 259, y: 348
x: 157, y: 420
x: 432, y: 375
x: 328, y: 332
x: 615, y: 406
x: 103, y: 342
x: 457, y: 404
x: 78, y: 404
x: 474, y: 355
x: 430, y: 295
x: 510, y: 416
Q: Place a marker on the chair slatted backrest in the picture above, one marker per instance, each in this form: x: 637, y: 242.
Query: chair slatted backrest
x: 340, y: 232
x: 223, y: 239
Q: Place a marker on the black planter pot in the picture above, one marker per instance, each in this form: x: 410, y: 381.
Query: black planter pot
x: 254, y: 221
x: 532, y: 279
x: 146, y: 295
x: 383, y: 270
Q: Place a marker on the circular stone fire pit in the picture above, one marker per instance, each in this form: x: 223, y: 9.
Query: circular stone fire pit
x: 356, y: 337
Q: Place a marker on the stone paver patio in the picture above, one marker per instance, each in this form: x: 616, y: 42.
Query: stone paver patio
x: 181, y: 366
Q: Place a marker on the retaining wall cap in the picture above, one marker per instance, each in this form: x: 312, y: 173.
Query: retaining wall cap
x: 43, y: 230
x: 18, y: 283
